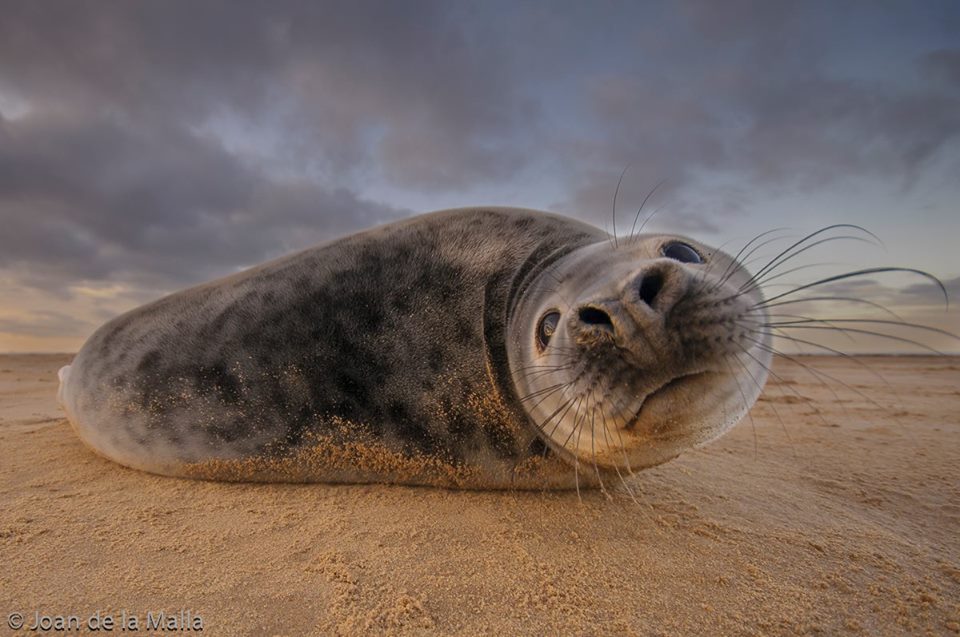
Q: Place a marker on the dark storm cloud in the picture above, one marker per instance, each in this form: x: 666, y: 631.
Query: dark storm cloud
x: 115, y: 172
x: 761, y: 93
x: 439, y: 101
x: 944, y: 64
x: 89, y: 198
x: 931, y: 294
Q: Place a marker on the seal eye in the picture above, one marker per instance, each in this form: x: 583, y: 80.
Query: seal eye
x: 679, y: 251
x: 546, y: 328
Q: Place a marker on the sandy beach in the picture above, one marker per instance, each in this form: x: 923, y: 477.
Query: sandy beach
x: 833, y: 510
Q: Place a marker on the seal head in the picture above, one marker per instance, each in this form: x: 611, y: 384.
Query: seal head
x: 623, y: 357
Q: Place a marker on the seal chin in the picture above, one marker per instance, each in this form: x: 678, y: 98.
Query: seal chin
x: 687, y: 411
x: 657, y: 412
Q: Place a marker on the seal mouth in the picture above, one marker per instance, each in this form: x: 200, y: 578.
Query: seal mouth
x: 667, y: 391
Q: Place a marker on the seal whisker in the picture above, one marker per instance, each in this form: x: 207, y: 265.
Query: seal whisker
x: 562, y: 389
x: 863, y: 272
x: 565, y: 407
x: 579, y: 423
x: 633, y: 231
x: 773, y: 275
x: 899, y: 323
x: 549, y: 390
x: 736, y: 260
x: 768, y: 275
x: 576, y: 477
x: 562, y: 410
x: 543, y: 372
x: 794, y: 326
x: 550, y: 353
x: 647, y: 219
x: 537, y: 370
x: 576, y: 463
x: 623, y: 448
x: 819, y: 376
x: 828, y: 322
x: 576, y: 425
x: 747, y: 371
x: 848, y: 357
x: 849, y: 299
x: 623, y: 481
x: 753, y: 425
x: 593, y: 447
x: 772, y: 263
x: 616, y: 193
x: 818, y: 373
x: 533, y: 369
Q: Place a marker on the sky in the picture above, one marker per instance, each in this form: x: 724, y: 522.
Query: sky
x: 149, y: 146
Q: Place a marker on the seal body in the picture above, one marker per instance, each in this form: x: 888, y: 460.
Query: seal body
x: 409, y: 353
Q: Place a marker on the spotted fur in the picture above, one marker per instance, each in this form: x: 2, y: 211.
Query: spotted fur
x: 395, y: 337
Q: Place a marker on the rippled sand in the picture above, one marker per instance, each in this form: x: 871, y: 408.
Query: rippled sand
x: 835, y: 511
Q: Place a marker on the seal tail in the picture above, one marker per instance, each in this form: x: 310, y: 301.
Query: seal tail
x: 63, y: 375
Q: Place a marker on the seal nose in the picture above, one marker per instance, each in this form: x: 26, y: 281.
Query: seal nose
x: 595, y: 316
x: 656, y: 288
x: 644, y: 299
x: 592, y: 323
x: 650, y: 286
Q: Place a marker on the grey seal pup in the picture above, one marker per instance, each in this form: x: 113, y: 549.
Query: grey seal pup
x: 471, y: 348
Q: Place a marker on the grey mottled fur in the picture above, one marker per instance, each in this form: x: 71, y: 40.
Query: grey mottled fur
x: 389, y: 329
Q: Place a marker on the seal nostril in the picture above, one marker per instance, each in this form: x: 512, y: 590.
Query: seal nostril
x: 650, y: 287
x: 595, y: 316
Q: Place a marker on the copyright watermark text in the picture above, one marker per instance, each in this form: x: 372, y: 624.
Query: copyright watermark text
x: 101, y: 621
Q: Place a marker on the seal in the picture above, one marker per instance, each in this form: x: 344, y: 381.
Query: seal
x: 470, y: 348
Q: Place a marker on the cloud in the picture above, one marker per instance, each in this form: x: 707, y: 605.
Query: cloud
x: 943, y: 65
x: 920, y: 292
x: 869, y: 305
x: 929, y: 293
x: 444, y: 109
x: 444, y: 97
x: 154, y: 145
x: 766, y: 97
x: 89, y: 198
x: 114, y: 165
x: 45, y: 323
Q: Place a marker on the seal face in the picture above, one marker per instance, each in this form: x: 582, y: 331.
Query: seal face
x: 625, y: 357
x: 472, y: 348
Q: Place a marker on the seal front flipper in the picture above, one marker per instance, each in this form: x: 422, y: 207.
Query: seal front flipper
x: 62, y: 375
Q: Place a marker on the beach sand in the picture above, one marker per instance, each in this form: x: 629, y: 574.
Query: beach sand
x: 834, y: 511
